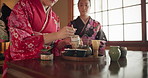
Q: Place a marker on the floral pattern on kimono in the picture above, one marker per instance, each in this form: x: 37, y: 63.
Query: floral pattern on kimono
x: 89, y: 31
x: 26, y: 18
x: 28, y: 22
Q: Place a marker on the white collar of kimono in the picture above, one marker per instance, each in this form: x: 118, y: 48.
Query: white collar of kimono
x: 46, y: 8
x: 85, y: 21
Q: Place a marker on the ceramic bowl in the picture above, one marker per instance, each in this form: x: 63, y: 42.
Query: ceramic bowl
x: 123, y: 51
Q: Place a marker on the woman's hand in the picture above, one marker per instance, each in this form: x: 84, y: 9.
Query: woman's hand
x: 64, y: 42
x: 66, y: 32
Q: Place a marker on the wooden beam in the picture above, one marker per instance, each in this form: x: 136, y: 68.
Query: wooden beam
x: 70, y: 10
x: 143, y: 11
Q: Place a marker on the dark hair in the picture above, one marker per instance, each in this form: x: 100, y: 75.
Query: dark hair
x: 88, y: 0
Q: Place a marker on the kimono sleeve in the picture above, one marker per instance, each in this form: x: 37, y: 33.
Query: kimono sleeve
x: 24, y: 45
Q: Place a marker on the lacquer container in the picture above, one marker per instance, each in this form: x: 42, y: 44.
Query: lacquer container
x: 46, y: 56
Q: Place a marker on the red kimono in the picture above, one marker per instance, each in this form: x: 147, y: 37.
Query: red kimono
x: 27, y: 23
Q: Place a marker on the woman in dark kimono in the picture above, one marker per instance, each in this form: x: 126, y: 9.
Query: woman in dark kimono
x: 88, y: 28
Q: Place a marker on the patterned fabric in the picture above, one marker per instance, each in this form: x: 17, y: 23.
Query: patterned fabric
x: 3, y: 32
x: 27, y: 27
x: 89, y: 31
x: 25, y: 21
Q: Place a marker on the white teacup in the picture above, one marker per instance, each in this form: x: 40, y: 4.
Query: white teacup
x: 75, y: 41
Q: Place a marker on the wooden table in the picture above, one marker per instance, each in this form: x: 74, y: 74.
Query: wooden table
x: 135, y: 65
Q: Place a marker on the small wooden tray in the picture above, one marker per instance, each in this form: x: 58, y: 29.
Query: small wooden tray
x: 89, y: 58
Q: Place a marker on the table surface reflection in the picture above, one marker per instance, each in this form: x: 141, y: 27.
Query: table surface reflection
x: 135, y: 65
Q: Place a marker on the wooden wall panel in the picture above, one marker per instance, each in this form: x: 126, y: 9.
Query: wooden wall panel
x: 9, y: 3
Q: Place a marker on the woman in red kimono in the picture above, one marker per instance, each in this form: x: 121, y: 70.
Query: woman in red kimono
x: 33, y: 26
